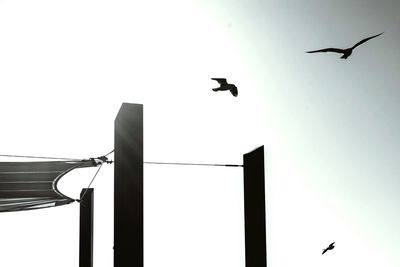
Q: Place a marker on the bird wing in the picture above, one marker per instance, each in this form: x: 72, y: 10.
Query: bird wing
x: 324, y: 250
x: 335, y: 50
x: 364, y: 40
x: 234, y: 91
x: 221, y: 81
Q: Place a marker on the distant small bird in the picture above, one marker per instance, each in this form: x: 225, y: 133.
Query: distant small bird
x: 224, y: 86
x: 346, y: 52
x: 331, y: 246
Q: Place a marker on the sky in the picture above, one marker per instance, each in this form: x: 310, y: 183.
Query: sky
x: 329, y: 126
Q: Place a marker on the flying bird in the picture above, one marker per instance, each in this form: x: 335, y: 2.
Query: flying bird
x: 224, y: 86
x: 331, y: 246
x: 346, y: 52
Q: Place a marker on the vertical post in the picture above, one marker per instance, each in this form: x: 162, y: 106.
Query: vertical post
x: 128, y: 186
x: 86, y: 228
x: 254, y: 208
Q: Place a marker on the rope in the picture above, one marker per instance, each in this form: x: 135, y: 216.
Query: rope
x: 193, y: 164
x: 112, y: 151
x: 38, y: 157
x: 84, y: 193
x: 179, y: 163
x: 103, y: 158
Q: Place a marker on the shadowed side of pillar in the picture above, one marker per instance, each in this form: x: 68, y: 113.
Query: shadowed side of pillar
x: 254, y: 208
x: 86, y: 228
x: 128, y: 186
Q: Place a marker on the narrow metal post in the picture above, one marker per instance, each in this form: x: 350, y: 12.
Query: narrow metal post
x: 86, y: 228
x: 128, y: 186
x: 254, y: 208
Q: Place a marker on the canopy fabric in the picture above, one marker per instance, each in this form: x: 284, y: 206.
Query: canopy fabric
x: 33, y: 185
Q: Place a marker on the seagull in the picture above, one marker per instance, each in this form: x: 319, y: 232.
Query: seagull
x: 346, y: 52
x: 224, y: 86
x: 331, y: 246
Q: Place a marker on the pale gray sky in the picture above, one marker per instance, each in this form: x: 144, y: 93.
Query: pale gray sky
x: 329, y: 125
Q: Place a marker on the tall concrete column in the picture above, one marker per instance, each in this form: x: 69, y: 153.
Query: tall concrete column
x: 254, y: 208
x: 128, y: 186
x: 86, y: 228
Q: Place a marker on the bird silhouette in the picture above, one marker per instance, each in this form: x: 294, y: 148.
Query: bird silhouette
x: 346, y: 52
x: 224, y: 86
x: 330, y: 247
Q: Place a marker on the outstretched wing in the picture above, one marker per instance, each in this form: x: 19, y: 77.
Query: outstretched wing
x: 335, y: 50
x: 366, y: 39
x: 324, y: 250
x: 221, y: 81
x: 234, y: 91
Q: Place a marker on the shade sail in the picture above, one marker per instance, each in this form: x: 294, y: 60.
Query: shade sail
x: 33, y: 185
